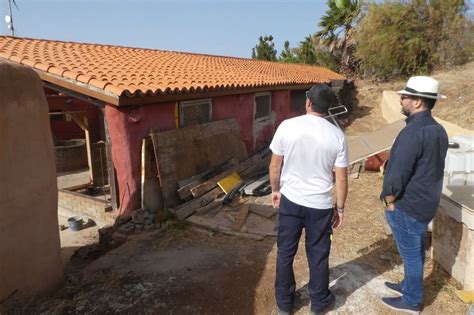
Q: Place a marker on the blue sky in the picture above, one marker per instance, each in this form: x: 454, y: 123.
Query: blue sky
x: 223, y: 27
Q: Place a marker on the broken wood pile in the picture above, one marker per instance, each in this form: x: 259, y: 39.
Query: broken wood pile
x: 224, y: 201
x: 205, y: 190
x: 247, y: 216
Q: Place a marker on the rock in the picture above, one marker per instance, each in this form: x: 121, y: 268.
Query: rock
x: 149, y: 227
x: 120, y: 237
x: 138, y: 216
x: 138, y: 228
x: 127, y: 228
x: 105, y: 235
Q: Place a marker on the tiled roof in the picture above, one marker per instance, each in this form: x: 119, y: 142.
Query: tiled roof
x: 130, y: 72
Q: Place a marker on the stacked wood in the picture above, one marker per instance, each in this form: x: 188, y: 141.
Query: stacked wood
x: 206, y: 193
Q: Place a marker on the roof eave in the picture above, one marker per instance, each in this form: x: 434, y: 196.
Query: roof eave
x: 79, y: 87
x: 163, y: 98
x: 124, y: 100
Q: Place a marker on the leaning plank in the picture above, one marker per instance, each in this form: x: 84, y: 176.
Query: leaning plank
x: 185, y: 210
x: 184, y: 152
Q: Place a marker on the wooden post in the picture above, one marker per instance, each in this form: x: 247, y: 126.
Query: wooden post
x: 82, y: 122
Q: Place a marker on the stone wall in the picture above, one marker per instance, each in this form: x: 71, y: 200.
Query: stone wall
x: 453, y: 243
x: 70, y: 155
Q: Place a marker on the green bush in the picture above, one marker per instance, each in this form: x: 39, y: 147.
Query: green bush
x: 402, y: 38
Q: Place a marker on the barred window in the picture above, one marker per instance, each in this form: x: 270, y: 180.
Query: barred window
x: 263, y: 106
x: 195, y: 112
x: 297, y: 100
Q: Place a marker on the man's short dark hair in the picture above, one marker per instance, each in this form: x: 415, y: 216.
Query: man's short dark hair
x: 428, y: 103
x: 321, y: 97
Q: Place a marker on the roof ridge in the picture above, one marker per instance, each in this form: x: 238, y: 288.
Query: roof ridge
x: 160, y: 50
x: 128, y: 47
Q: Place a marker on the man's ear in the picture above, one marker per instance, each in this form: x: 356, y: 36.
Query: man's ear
x: 418, y: 103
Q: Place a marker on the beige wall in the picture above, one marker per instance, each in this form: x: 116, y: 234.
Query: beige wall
x: 30, y: 260
x: 390, y: 106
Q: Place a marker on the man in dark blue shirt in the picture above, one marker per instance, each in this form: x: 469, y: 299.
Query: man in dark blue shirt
x: 412, y: 186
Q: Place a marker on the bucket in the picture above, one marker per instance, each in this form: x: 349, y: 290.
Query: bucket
x: 75, y: 223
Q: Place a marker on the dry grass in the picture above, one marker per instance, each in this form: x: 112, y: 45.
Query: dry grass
x: 458, y: 108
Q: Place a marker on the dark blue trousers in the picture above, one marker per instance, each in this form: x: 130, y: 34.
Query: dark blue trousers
x: 292, y: 218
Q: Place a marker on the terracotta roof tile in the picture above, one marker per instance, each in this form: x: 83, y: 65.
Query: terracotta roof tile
x: 135, y: 71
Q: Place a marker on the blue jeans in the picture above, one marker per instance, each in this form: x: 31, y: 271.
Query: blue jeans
x: 409, y: 235
x: 292, y: 218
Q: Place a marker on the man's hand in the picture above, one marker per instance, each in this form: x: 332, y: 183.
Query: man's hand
x: 337, y: 218
x: 276, y: 195
x: 389, y: 202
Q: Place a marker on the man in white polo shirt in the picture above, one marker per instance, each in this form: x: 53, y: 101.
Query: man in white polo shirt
x: 307, y: 151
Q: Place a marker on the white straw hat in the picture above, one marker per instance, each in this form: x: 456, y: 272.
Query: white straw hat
x: 422, y: 86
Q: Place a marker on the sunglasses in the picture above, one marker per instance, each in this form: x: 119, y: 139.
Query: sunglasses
x: 402, y: 97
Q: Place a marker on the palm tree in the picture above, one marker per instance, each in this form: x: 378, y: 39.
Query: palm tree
x: 338, y: 29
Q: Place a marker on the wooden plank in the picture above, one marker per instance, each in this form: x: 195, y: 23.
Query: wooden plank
x: 114, y: 200
x: 212, y: 225
x: 242, y: 234
x: 185, y: 185
x: 375, y: 142
x: 204, y: 222
x: 82, y: 122
x: 243, y: 213
x: 184, y: 152
x: 266, y: 211
x: 185, y: 210
x: 258, y: 225
x: 212, y: 205
x: 202, y: 188
x: 151, y: 189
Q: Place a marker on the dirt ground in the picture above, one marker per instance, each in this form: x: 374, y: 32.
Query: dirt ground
x: 185, y: 270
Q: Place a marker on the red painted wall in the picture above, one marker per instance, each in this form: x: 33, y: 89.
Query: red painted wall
x: 65, y: 130
x: 128, y: 126
x: 239, y: 107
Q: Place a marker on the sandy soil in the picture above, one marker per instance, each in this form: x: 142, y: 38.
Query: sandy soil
x: 458, y: 108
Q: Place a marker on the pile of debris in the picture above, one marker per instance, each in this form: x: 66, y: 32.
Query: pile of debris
x: 225, y: 199
x: 141, y: 221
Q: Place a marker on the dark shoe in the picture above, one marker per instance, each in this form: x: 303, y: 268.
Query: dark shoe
x: 329, y: 307
x: 397, y: 304
x: 282, y: 312
x: 395, y: 287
